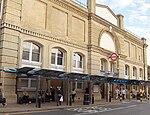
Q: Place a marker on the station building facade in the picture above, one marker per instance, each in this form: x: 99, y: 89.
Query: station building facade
x: 64, y: 35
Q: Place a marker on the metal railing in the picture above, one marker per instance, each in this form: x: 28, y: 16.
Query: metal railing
x: 132, y: 33
x: 81, y: 3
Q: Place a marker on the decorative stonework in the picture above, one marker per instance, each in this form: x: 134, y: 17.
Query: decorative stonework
x: 36, y: 34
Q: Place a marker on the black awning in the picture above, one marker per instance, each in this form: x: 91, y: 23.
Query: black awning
x: 98, y: 78
x: 24, y: 70
x: 74, y: 76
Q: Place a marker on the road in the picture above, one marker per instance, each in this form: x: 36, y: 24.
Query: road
x: 136, y: 108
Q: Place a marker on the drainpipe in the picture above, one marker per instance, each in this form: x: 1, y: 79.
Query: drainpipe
x: 144, y: 43
x: 144, y: 61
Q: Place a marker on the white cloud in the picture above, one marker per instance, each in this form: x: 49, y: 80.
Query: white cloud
x: 121, y: 3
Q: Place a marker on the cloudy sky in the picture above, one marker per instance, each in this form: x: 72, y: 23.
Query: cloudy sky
x: 136, y: 16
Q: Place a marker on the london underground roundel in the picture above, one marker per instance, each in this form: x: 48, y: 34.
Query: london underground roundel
x: 114, y: 56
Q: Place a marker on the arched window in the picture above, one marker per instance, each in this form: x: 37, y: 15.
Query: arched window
x: 134, y: 72
x: 30, y: 58
x: 103, y: 64
x: 77, y: 61
x: 31, y: 52
x: 112, y: 67
x: 57, y: 57
x: 104, y: 42
x: 141, y: 74
x: 126, y: 70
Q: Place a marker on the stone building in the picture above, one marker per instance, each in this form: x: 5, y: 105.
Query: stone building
x: 64, y: 35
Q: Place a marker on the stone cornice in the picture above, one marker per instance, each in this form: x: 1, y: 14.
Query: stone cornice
x: 67, y: 42
x: 72, y: 7
x: 125, y: 33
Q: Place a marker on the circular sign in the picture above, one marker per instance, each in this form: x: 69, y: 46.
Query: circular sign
x: 114, y: 56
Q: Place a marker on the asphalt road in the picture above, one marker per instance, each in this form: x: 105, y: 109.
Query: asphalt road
x: 138, y: 108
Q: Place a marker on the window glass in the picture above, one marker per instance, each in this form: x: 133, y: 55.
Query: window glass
x: 79, y: 85
x: 53, y: 58
x: 26, y: 50
x: 33, y: 83
x: 77, y: 61
x: 35, y: 53
x: 31, y: 52
x: 24, y: 82
x: 56, y: 57
x: 126, y: 70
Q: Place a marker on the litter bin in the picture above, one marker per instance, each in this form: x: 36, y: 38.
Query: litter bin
x: 86, y: 100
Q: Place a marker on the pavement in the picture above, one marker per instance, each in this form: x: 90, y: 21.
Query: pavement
x: 13, y: 108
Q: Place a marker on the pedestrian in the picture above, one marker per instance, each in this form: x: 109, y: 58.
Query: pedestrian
x: 59, y: 96
x: 116, y: 92
x: 25, y: 96
x: 73, y: 93
x: 52, y: 91
x: 123, y: 93
x: 2, y: 98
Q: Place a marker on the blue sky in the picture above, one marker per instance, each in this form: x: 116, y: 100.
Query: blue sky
x: 136, y: 16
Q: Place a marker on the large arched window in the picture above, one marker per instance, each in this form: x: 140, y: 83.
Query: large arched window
x: 105, y: 38
x: 134, y: 72
x: 31, y: 52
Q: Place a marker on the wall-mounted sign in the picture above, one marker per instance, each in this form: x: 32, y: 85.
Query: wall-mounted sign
x: 114, y: 56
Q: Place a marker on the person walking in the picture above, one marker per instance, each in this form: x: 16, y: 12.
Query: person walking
x: 52, y: 91
x: 59, y: 96
x: 73, y: 93
x: 123, y: 93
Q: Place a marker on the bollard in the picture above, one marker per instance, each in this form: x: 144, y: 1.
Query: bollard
x: 92, y: 98
x: 110, y: 96
x: 130, y: 95
x: 120, y: 96
x: 39, y: 102
x: 141, y: 95
x: 70, y: 101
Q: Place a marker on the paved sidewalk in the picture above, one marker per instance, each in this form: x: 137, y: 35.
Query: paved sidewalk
x: 10, y: 108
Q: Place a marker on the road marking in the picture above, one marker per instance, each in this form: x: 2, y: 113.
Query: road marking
x: 105, y: 110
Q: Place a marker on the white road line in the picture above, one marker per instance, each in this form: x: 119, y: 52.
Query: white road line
x: 119, y: 108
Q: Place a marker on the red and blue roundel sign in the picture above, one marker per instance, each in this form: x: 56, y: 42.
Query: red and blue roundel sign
x: 114, y: 56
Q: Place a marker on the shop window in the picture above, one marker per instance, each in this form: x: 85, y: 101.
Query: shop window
x: 28, y: 83
x: 77, y: 85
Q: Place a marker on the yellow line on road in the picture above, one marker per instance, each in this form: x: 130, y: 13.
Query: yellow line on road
x: 39, y: 111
